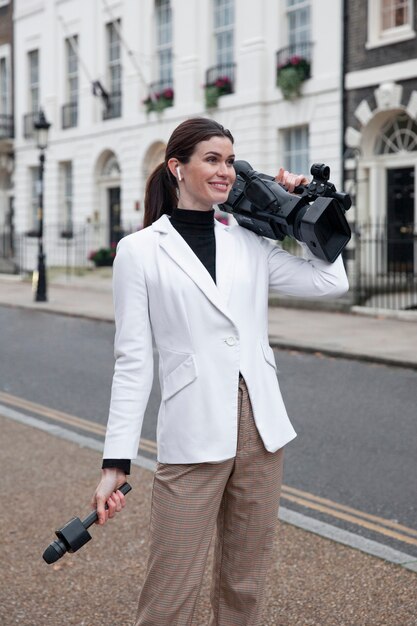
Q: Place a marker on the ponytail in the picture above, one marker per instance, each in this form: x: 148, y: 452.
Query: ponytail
x: 160, y: 195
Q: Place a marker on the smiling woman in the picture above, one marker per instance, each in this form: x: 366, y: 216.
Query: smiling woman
x: 197, y: 171
x: 208, y: 176
x: 199, y: 290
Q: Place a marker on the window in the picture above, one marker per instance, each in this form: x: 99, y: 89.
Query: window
x: 394, y: 13
x: 114, y: 71
x: 224, y: 31
x: 33, y: 60
x: 66, y: 198
x: 389, y: 21
x: 70, y: 109
x: 296, y: 150
x: 72, y: 69
x: 4, y: 87
x: 114, y: 58
x: 397, y: 136
x: 164, y: 42
x: 298, y: 22
x: 34, y: 199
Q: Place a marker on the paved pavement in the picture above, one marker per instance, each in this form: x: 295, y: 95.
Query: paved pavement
x: 314, y: 581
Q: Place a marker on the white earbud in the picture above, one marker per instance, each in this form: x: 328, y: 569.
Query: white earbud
x: 178, y: 172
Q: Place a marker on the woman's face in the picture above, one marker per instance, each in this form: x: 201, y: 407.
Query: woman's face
x: 208, y: 176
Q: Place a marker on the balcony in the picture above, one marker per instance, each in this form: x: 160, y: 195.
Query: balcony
x: 6, y: 126
x: 293, y: 67
x: 114, y: 106
x: 163, y: 93
x: 220, y: 81
x: 69, y: 114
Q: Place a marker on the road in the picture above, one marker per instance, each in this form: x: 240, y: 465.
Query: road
x: 353, y: 463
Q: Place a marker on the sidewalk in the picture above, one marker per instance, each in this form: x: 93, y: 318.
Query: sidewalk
x: 379, y: 339
x: 314, y: 581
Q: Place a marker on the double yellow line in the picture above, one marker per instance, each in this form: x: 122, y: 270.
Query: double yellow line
x: 66, y: 418
x: 377, y: 524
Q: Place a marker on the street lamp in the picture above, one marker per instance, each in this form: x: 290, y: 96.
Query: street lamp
x: 41, y: 126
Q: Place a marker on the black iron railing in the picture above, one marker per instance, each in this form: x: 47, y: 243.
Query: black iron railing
x: 386, y: 265
x: 69, y: 115
x: 6, y: 126
x: 224, y: 74
x: 301, y: 50
x: 114, y: 106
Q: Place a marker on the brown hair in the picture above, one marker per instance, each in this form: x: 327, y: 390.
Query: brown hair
x: 161, y: 187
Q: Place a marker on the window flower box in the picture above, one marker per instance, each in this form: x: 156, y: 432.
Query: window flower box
x: 212, y: 91
x: 162, y: 100
x: 291, y: 75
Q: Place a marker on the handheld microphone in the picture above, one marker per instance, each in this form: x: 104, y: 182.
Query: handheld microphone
x: 74, y: 535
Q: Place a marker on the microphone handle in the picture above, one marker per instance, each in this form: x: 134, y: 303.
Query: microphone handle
x: 92, y: 518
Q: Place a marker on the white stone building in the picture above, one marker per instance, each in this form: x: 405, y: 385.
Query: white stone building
x: 99, y: 156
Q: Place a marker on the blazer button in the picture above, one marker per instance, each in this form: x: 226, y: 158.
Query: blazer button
x: 231, y: 341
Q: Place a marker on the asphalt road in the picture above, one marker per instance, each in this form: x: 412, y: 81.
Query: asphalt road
x: 356, y: 422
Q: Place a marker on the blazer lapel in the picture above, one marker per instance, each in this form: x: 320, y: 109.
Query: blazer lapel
x: 180, y: 252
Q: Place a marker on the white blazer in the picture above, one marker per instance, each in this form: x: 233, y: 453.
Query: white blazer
x: 205, y: 334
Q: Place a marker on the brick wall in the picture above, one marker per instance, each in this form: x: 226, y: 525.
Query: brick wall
x: 355, y: 96
x: 357, y: 56
x: 6, y: 24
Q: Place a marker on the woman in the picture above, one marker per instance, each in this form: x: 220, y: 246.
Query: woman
x: 201, y: 289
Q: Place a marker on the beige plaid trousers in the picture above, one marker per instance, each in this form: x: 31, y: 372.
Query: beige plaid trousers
x: 240, y: 495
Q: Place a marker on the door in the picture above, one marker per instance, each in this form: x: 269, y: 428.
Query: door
x: 400, y: 220
x: 115, y: 231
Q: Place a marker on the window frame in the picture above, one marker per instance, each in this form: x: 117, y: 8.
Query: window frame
x: 67, y: 195
x: 163, y: 49
x: 378, y: 37
x: 224, y: 55
x: 34, y: 198
x: 290, y: 155
x: 33, y: 87
x: 117, y: 62
x: 71, y: 75
x: 5, y: 94
x: 293, y: 9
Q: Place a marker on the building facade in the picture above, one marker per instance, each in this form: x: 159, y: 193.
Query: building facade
x: 380, y: 118
x: 115, y: 77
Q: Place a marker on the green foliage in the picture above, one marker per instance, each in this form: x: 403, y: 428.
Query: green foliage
x: 291, y: 75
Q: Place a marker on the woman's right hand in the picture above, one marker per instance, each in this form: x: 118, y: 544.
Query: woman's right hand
x: 107, y: 492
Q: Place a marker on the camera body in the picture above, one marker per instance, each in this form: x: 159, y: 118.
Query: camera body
x: 315, y: 216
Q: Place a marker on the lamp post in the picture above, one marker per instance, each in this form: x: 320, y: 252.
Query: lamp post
x: 41, y: 126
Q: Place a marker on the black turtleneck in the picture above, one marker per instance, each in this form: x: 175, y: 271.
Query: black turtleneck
x: 197, y: 229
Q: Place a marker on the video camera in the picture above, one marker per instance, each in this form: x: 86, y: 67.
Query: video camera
x: 316, y: 216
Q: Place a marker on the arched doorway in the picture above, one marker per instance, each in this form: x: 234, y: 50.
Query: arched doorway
x: 396, y: 145
x: 385, y: 169
x: 109, y: 184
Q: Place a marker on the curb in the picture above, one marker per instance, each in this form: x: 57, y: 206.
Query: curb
x: 365, y: 358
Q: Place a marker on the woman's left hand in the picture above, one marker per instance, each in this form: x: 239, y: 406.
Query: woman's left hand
x: 290, y: 181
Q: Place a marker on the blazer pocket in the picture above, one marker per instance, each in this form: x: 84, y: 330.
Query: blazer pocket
x: 184, y: 374
x: 269, y: 355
